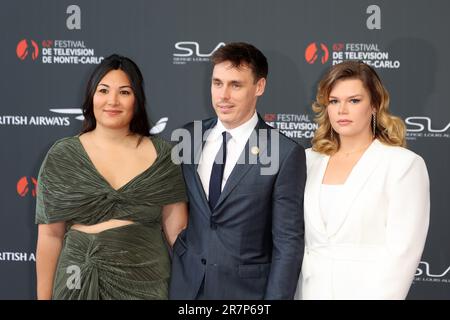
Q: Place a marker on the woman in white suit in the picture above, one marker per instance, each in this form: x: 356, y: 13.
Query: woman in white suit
x: 367, y: 198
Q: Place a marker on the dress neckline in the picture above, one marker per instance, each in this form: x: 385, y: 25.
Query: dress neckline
x: 357, y: 164
x: 124, y: 186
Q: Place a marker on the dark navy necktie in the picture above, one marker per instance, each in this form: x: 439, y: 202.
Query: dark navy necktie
x: 215, y: 182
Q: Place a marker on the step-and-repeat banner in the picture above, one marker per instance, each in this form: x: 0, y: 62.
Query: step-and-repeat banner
x: 50, y: 47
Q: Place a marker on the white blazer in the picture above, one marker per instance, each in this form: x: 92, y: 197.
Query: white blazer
x: 371, y: 247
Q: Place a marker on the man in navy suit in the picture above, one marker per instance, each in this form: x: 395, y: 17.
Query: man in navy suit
x: 245, y: 183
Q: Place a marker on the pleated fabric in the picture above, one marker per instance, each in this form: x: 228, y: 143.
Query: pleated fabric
x: 128, y: 262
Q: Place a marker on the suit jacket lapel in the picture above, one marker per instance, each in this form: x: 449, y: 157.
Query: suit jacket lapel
x: 355, y: 182
x: 240, y: 170
x: 198, y: 144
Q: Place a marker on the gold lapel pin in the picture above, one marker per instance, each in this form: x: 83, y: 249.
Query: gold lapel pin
x: 255, y: 150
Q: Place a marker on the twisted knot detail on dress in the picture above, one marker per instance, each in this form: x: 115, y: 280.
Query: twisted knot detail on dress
x: 125, y: 262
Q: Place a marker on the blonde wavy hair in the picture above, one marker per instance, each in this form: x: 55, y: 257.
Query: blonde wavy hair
x: 389, y: 129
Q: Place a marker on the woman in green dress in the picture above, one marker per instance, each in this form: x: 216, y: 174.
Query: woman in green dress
x: 110, y: 201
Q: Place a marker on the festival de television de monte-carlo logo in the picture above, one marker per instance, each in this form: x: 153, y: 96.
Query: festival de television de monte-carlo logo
x: 418, y: 126
x: 57, y: 52
x: 371, y: 53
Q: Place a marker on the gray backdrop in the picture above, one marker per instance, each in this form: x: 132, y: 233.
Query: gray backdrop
x: 50, y: 47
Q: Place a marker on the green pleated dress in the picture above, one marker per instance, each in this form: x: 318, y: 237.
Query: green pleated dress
x: 128, y: 262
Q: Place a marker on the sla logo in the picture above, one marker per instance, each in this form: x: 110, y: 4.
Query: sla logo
x: 423, y: 273
x: 189, y: 51
x: 316, y: 51
x: 190, y: 46
x: 420, y: 127
x: 27, y: 48
x: 25, y: 184
x: 420, y: 122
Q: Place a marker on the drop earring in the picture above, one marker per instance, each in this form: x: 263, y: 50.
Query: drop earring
x: 374, y: 124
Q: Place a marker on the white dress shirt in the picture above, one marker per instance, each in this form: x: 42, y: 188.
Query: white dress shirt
x: 235, y: 146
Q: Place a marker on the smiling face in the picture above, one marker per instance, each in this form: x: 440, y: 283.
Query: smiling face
x: 114, y: 101
x: 350, y: 109
x: 234, y: 93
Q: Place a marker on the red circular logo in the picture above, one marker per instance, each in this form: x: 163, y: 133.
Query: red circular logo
x: 314, y: 52
x: 270, y: 117
x: 25, y: 184
x: 27, y: 48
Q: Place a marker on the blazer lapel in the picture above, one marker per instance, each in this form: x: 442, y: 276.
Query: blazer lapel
x: 198, y: 144
x: 355, y: 182
x: 312, y: 193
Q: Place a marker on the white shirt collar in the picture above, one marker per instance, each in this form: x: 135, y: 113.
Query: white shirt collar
x: 239, y: 134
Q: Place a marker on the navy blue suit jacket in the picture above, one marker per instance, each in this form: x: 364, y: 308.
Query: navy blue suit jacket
x: 250, y: 246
